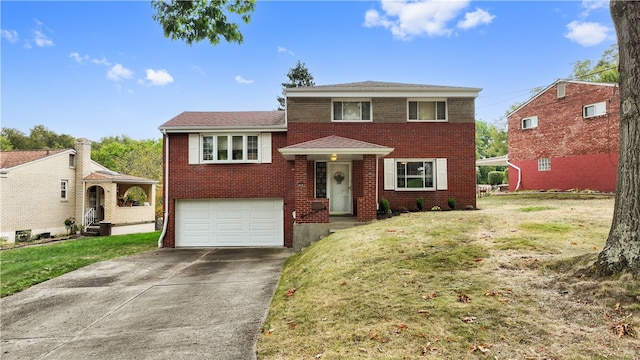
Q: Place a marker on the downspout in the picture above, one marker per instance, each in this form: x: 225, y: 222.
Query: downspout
x: 165, y: 185
x: 519, y: 173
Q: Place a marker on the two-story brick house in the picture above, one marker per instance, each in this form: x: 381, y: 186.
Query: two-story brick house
x: 566, y: 137
x: 275, y: 178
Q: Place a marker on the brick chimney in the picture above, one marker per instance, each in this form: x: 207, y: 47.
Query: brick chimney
x: 83, y: 168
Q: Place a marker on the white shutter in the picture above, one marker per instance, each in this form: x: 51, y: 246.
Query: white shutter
x: 389, y: 174
x: 194, y: 148
x: 266, y: 147
x: 441, y: 174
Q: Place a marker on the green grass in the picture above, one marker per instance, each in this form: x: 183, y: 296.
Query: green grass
x: 393, y: 289
x: 23, y: 267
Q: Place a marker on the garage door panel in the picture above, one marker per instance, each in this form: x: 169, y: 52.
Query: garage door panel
x: 229, y: 222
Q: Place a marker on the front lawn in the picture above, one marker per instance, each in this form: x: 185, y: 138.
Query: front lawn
x: 505, y: 282
x: 27, y: 266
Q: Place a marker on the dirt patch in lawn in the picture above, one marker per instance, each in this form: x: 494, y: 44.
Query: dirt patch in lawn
x: 507, y: 281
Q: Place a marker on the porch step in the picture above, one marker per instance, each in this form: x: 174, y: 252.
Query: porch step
x: 93, y: 230
x: 337, y: 223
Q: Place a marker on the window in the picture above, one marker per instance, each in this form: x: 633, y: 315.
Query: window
x: 64, y: 189
x: 230, y: 148
x: 352, y: 110
x: 415, y: 174
x: 427, y: 110
x: 72, y: 160
x: 595, y: 109
x: 530, y: 122
x: 544, y: 164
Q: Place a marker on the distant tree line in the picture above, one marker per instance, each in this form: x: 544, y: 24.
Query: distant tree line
x: 142, y: 158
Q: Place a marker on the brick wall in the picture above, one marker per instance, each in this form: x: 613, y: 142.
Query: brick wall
x: 567, y: 138
x: 209, y: 181
x: 454, y: 141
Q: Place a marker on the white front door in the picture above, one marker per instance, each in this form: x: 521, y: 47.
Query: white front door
x: 339, y: 187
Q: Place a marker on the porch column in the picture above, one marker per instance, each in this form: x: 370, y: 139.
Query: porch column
x: 367, y: 203
x: 300, y: 176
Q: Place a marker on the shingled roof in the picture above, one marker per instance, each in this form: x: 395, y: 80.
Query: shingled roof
x: 112, y: 176
x: 9, y: 159
x: 380, y: 86
x: 225, y: 119
x: 334, y: 144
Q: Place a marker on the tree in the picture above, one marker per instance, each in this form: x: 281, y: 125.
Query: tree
x: 621, y: 252
x: 605, y: 70
x: 39, y: 138
x: 142, y: 158
x: 299, y: 76
x: 196, y: 20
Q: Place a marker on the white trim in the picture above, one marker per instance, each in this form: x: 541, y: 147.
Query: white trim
x: 433, y: 100
x: 229, y: 137
x: 599, y: 109
x: 221, y: 129
x: 532, y: 119
x: 352, y: 100
x: 433, y: 173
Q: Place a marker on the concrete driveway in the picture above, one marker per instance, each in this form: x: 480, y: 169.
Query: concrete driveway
x: 165, y: 304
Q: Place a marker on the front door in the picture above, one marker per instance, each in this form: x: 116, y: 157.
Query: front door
x: 339, y: 188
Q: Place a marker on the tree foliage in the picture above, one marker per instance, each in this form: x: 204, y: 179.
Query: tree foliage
x: 491, y: 141
x: 605, y: 70
x: 39, y: 138
x: 298, y: 76
x: 621, y: 252
x: 142, y: 158
x: 197, y: 20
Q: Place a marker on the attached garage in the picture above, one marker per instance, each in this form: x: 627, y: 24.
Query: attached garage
x: 229, y: 222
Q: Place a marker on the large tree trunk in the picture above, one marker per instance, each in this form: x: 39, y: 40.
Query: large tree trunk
x: 621, y: 253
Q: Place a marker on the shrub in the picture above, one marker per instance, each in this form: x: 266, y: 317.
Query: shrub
x: 452, y: 203
x: 385, y: 205
x: 505, y: 179
x: 496, y: 177
x: 420, y: 204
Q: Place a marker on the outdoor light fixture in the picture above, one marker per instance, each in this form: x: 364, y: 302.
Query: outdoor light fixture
x: 333, y: 157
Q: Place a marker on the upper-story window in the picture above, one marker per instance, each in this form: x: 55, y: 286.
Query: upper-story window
x: 72, y: 160
x: 427, y: 110
x: 595, y: 109
x: 530, y: 122
x: 230, y: 148
x: 352, y: 110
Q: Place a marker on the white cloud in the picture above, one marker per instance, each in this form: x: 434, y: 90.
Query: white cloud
x: 41, y: 39
x: 407, y: 18
x: 158, y: 77
x: 102, y: 61
x: 239, y: 79
x: 284, y: 50
x: 587, y: 33
x: 590, y: 5
x: 78, y: 58
x: 473, y: 19
x: 119, y: 72
x: 10, y: 35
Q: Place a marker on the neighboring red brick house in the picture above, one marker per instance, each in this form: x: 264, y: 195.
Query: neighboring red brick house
x: 274, y: 178
x: 566, y: 137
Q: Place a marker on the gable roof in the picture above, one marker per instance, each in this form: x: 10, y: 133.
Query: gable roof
x: 334, y: 145
x: 10, y: 159
x: 230, y: 120
x: 380, y: 88
x: 553, y: 85
x: 112, y: 176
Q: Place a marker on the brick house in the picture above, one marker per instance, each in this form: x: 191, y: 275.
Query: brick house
x: 39, y: 189
x: 277, y: 178
x: 566, y: 137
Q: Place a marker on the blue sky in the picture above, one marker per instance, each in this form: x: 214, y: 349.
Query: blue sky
x: 95, y: 69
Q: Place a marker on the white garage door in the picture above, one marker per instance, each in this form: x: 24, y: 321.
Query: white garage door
x: 229, y: 222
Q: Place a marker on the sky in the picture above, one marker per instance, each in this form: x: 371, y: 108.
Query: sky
x: 94, y: 69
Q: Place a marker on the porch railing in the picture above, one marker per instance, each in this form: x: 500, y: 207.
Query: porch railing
x: 90, y: 217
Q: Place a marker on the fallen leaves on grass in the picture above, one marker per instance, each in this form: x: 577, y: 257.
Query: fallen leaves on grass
x: 483, y: 348
x: 400, y: 328
x: 463, y: 298
x: 290, y: 292
x: 429, y: 296
x: 428, y: 349
x: 623, y: 329
x: 469, y: 319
